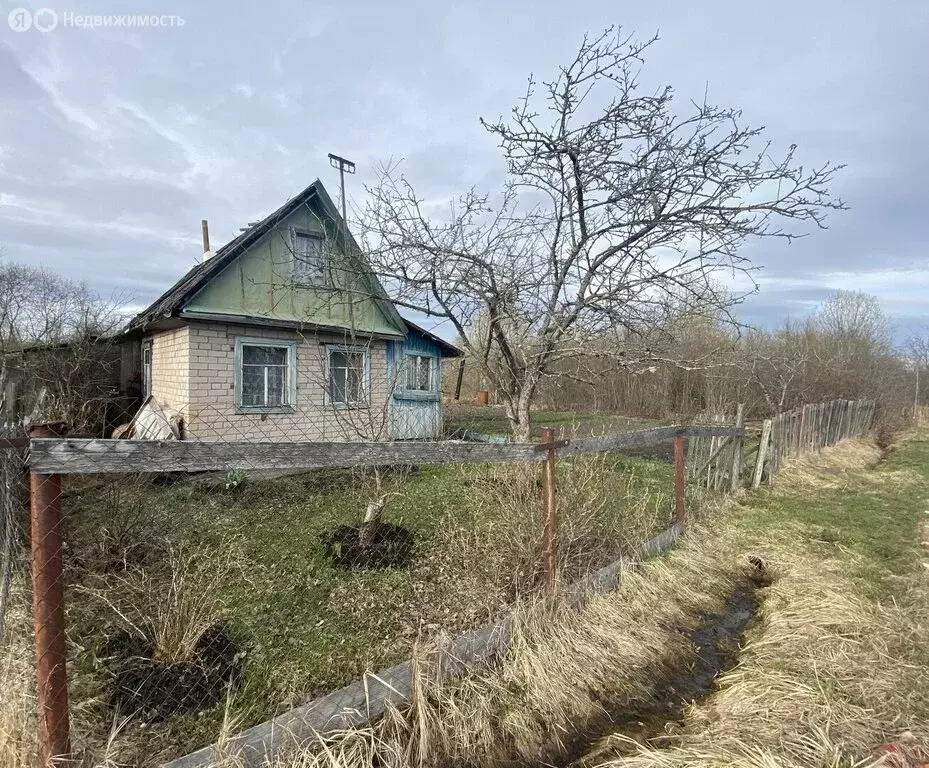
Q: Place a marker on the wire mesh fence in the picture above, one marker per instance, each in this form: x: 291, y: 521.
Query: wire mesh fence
x: 180, y: 585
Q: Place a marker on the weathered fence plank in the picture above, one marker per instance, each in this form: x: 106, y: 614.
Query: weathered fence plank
x: 762, y: 452
x: 70, y: 456
x: 66, y: 456
x: 738, y: 451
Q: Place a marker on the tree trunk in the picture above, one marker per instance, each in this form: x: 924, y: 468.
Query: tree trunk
x: 372, y: 520
x: 520, y: 418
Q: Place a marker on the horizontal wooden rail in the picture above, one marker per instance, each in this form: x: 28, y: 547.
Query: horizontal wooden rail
x: 72, y: 456
x: 644, y: 437
x: 88, y: 456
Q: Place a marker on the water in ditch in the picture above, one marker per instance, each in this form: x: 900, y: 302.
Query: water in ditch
x: 716, y: 641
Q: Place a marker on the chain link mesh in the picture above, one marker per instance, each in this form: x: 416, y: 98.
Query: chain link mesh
x: 197, y: 600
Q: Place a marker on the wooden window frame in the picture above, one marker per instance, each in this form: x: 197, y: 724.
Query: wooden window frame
x: 292, y: 361
x: 365, y: 380
x: 405, y: 393
x: 297, y: 278
x: 147, y: 370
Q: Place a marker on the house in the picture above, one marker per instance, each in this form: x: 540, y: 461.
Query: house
x: 285, y: 333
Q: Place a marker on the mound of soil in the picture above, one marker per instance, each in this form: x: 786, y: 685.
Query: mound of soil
x: 391, y: 547
x: 154, y: 690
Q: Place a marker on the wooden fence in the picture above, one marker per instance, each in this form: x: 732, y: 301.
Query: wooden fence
x: 809, y: 429
x: 51, y: 457
x: 715, y: 460
x: 68, y: 456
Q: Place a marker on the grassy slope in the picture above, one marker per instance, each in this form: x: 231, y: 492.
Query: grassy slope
x: 864, y: 518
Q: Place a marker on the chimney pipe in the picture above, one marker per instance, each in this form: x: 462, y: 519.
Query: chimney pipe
x: 205, y: 232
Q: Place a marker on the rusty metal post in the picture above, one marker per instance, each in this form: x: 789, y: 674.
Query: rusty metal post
x: 550, y: 525
x: 48, y: 611
x: 679, y: 478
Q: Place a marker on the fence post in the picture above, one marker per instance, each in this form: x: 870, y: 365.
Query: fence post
x: 550, y: 525
x: 48, y: 610
x: 762, y: 452
x: 738, y: 449
x: 679, y: 512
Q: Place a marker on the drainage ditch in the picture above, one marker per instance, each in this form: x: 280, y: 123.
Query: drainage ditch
x: 716, y: 641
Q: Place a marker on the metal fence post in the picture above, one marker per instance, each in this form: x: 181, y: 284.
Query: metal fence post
x: 48, y: 610
x: 679, y: 477
x: 550, y: 525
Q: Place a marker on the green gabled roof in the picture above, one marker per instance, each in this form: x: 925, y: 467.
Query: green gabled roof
x: 172, y: 302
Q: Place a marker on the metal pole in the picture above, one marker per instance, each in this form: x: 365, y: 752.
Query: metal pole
x: 679, y: 478
x: 48, y: 611
x: 342, y: 187
x: 550, y: 525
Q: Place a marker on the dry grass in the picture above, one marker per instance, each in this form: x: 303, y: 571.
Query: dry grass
x: 17, y: 698
x: 560, y: 667
x: 828, y: 674
x: 830, y: 468
x: 602, y: 513
x: 818, y: 685
x: 173, y: 613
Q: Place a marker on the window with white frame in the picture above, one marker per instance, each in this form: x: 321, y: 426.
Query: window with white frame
x: 419, y: 373
x: 310, y: 257
x: 347, y: 375
x: 265, y: 374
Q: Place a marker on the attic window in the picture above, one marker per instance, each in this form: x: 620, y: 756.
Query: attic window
x: 311, y: 258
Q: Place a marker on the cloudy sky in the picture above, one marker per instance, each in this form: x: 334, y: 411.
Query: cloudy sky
x: 115, y: 142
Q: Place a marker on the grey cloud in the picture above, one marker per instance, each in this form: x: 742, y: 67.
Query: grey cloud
x: 177, y: 142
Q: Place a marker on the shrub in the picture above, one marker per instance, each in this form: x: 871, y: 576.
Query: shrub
x: 236, y: 478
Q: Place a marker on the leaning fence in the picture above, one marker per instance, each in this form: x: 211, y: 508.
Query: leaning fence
x: 809, y: 429
x: 172, y: 581
x: 717, y: 461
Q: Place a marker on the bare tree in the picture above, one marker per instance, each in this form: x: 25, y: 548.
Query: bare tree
x: 612, y: 203
x: 853, y: 318
x: 53, y: 348
x: 916, y: 349
x: 39, y: 307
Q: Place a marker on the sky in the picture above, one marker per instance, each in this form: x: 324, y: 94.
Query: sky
x: 115, y: 142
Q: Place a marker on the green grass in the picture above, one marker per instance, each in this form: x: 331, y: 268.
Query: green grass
x: 491, y: 420
x: 866, y: 516
x: 308, y: 627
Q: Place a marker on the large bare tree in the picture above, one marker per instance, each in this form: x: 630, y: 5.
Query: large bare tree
x: 613, y: 202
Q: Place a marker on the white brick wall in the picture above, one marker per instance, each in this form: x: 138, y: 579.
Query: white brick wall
x: 211, y: 411
x: 171, y: 368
